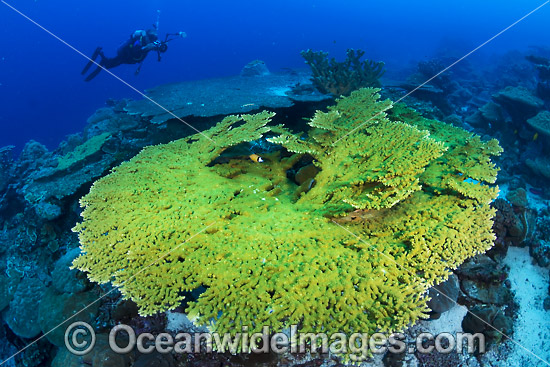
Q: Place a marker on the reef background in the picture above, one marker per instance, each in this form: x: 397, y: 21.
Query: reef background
x: 43, y: 96
x: 501, y: 92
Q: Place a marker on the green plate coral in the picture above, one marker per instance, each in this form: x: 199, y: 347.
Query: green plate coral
x: 399, y: 201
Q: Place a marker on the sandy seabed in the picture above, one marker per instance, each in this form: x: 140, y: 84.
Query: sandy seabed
x: 531, y: 338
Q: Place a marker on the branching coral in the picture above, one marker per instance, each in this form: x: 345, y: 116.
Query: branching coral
x: 341, y: 78
x: 173, y: 219
x: 464, y: 167
x: 372, y: 169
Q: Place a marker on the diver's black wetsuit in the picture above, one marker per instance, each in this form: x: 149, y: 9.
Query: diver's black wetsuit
x: 133, y: 51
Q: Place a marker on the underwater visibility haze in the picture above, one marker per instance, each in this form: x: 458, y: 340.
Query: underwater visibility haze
x: 282, y: 168
x: 39, y: 76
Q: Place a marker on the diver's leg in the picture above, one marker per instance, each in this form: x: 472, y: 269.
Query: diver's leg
x: 93, y: 74
x: 111, y: 62
x: 91, y: 62
x: 106, y: 63
x: 102, y: 64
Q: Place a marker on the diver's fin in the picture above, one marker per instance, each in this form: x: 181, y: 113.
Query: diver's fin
x: 93, y: 74
x: 92, y: 59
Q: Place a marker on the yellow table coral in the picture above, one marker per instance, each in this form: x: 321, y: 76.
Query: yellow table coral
x: 174, y: 218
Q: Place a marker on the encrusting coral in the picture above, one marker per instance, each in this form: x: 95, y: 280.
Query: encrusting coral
x: 174, y: 218
x: 80, y: 153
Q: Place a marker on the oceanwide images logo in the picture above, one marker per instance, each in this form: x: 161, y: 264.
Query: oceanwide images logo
x: 80, y: 339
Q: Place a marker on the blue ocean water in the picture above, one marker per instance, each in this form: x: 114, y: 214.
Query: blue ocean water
x: 43, y: 96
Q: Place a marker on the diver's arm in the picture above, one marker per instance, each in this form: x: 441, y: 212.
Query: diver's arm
x: 139, y: 33
x: 151, y: 46
x: 136, y: 40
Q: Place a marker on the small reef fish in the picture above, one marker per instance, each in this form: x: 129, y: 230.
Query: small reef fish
x: 256, y: 158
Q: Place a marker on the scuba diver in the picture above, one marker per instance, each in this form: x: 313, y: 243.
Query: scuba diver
x: 133, y: 51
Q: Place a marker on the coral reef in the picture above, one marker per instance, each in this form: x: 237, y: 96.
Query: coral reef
x: 57, y: 311
x: 486, y: 293
x: 429, y: 69
x: 6, y: 167
x: 510, y: 69
x: 100, y: 356
x: 541, y: 122
x: 543, y: 67
x: 430, y: 84
x: 112, y: 120
x: 21, y: 316
x: 313, y: 254
x: 494, y: 316
x: 515, y: 113
x: 519, y: 102
x: 509, y: 227
x: 490, y: 113
x: 255, y: 68
x: 540, y: 251
x: 514, y: 222
x: 540, y: 166
x: 7, y: 289
x: 80, y: 154
x: 33, y: 157
x: 341, y: 78
x: 269, y: 256
x: 539, y: 248
x: 223, y: 96
x: 443, y: 296
x: 73, y: 170
x: 39, y: 193
x: 520, y: 120
x: 64, y: 279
